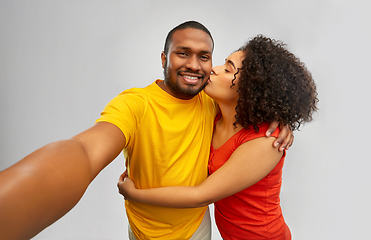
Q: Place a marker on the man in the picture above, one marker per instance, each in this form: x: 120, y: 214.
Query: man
x: 165, y: 130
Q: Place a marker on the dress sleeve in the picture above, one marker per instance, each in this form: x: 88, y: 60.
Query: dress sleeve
x: 250, y: 134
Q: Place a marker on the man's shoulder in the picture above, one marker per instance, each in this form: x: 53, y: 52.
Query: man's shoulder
x: 138, y: 92
x: 206, y: 100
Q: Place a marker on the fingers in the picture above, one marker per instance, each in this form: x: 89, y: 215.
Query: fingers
x: 285, y: 138
x: 120, y: 186
x: 124, y: 184
x: 123, y: 176
x: 272, y: 127
x: 286, y: 144
x: 291, y: 142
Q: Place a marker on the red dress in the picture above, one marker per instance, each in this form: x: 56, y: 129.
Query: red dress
x: 255, y: 212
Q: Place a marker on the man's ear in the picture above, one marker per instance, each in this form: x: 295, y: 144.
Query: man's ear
x: 163, y: 59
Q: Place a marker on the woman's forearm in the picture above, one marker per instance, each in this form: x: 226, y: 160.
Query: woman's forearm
x: 176, y: 197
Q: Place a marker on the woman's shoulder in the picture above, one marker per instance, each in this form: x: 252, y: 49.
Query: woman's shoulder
x: 251, y: 133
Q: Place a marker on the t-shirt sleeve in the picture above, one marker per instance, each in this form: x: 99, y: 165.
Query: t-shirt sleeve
x: 125, y: 111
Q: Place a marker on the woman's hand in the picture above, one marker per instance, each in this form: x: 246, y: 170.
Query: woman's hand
x: 125, y: 186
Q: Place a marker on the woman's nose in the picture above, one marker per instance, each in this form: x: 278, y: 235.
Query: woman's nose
x: 215, y: 70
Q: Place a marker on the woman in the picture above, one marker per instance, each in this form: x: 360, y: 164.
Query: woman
x: 260, y: 83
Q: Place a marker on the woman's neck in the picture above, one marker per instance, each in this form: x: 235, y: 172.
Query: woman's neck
x: 228, y: 116
x: 224, y: 127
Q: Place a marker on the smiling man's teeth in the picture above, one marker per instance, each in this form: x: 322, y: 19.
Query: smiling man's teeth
x: 190, y: 77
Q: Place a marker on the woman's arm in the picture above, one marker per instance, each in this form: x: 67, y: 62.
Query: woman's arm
x: 249, y: 163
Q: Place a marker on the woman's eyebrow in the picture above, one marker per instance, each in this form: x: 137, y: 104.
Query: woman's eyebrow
x: 231, y: 63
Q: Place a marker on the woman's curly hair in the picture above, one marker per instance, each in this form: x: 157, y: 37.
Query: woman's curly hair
x: 274, y: 85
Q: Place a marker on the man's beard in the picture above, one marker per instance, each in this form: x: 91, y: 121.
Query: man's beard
x: 186, y: 92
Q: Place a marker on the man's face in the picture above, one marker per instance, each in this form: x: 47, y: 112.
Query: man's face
x: 188, y: 63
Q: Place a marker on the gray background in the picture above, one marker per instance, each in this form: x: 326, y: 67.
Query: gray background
x: 62, y: 61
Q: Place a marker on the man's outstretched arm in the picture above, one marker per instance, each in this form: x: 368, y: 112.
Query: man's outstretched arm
x: 45, y: 185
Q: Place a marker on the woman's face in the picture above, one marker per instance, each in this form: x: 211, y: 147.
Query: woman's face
x: 220, y: 82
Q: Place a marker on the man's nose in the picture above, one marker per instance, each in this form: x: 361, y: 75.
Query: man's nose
x: 193, y: 63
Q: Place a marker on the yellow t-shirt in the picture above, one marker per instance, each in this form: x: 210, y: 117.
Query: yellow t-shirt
x: 167, y: 144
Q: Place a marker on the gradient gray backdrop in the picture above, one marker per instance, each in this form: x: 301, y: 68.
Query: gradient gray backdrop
x: 62, y: 61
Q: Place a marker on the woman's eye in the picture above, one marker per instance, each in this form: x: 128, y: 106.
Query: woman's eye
x: 226, y: 70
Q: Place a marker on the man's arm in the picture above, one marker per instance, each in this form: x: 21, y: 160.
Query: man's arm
x: 45, y: 185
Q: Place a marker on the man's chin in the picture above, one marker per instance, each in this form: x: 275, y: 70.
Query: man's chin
x: 184, y: 90
x: 193, y: 89
x: 187, y: 93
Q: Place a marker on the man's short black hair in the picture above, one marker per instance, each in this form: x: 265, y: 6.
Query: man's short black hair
x: 185, y: 25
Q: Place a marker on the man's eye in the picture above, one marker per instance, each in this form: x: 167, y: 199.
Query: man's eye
x: 206, y: 58
x: 182, y: 54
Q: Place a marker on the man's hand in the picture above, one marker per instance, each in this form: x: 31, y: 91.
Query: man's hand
x: 285, y: 137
